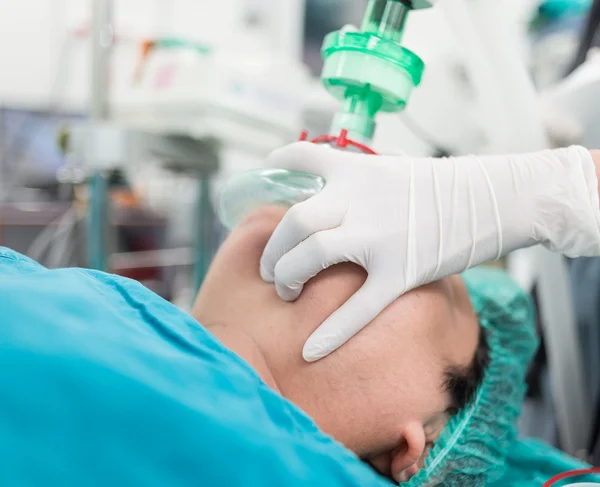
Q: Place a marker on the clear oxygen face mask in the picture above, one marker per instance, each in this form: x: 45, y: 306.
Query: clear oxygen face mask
x: 249, y: 190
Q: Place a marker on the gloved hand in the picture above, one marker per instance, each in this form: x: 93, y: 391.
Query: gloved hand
x: 411, y: 221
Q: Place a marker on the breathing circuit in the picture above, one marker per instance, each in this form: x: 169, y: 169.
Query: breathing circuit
x: 368, y: 71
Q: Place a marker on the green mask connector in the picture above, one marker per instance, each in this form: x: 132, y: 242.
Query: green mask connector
x: 369, y: 71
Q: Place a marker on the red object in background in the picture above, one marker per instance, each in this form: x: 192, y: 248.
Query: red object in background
x: 574, y: 473
x: 342, y: 141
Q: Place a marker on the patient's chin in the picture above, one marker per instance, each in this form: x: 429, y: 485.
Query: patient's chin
x: 266, y: 217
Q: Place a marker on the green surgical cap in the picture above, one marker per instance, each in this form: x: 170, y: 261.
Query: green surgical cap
x: 472, y: 449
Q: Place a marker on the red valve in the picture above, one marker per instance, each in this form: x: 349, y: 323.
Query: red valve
x: 342, y: 141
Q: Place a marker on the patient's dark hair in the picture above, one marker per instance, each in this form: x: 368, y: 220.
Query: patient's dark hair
x: 462, y: 383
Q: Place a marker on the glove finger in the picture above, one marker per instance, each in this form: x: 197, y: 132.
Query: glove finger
x: 300, y: 222
x: 302, y: 156
x: 306, y: 260
x: 352, y: 317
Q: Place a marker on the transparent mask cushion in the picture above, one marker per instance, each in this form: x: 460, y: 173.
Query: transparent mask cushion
x: 247, y: 191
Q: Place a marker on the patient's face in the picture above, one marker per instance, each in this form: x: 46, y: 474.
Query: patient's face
x: 385, y: 394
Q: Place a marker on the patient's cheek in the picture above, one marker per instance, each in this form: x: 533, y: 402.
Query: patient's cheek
x: 331, y: 288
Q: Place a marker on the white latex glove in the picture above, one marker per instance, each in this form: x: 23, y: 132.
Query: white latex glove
x: 411, y: 221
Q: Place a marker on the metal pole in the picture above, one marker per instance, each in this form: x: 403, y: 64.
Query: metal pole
x: 203, y: 225
x: 98, y: 223
x: 102, y: 37
x: 573, y: 407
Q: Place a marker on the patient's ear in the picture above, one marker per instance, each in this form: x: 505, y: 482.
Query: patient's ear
x: 405, y: 457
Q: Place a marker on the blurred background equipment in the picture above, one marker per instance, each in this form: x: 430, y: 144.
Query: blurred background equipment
x: 556, y: 31
x: 121, y: 120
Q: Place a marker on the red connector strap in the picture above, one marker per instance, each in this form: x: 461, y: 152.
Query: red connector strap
x: 342, y: 141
